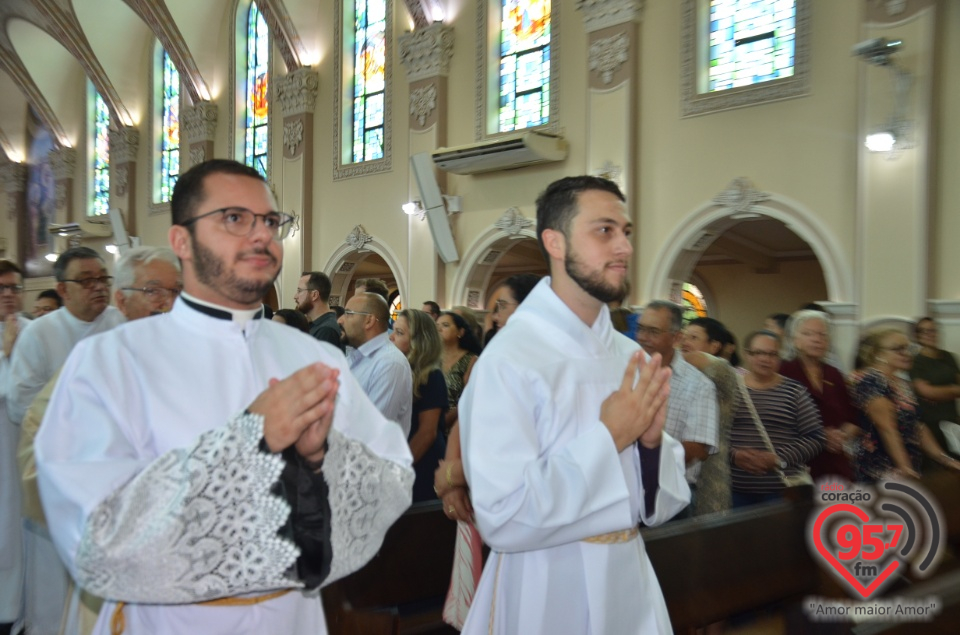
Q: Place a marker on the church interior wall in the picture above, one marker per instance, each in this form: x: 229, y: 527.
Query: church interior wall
x: 805, y: 149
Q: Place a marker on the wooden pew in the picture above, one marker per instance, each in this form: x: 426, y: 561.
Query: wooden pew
x: 402, y: 589
x: 713, y: 567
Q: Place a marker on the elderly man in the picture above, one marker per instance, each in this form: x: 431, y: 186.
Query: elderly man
x: 11, y: 549
x: 692, y: 413
x: 382, y: 370
x: 563, y: 447
x: 147, y: 283
x: 220, y: 480
x: 42, y: 348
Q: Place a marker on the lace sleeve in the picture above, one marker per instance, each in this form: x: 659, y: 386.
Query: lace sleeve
x: 198, y: 523
x: 367, y: 494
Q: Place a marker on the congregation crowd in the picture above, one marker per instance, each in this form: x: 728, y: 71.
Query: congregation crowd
x: 451, y: 382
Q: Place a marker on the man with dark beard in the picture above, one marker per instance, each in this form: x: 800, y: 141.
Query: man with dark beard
x: 313, y: 300
x: 193, y: 457
x: 563, y: 446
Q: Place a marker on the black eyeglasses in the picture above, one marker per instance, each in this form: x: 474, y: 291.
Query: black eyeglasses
x: 240, y: 221
x: 89, y: 283
x: 767, y: 354
x: 12, y: 288
x: 155, y: 293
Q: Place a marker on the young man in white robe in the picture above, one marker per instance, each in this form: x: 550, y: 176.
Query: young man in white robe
x: 563, y: 446
x: 206, y: 470
x: 11, y: 539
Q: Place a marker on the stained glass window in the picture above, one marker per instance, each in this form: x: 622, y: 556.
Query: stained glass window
x: 751, y: 41
x: 693, y: 303
x: 369, y: 78
x: 100, y: 199
x: 170, y: 130
x: 258, y: 55
x: 524, y: 64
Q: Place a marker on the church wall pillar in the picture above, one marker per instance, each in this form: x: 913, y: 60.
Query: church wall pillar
x: 63, y: 164
x: 425, y: 54
x: 13, y: 178
x: 199, y: 126
x: 124, y: 143
x: 295, y: 94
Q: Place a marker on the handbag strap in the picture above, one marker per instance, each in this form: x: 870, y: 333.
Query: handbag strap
x: 758, y: 423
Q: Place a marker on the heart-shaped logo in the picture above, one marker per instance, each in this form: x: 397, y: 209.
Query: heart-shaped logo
x: 851, y: 540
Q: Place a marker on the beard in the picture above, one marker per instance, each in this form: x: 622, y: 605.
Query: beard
x: 210, y: 270
x: 305, y: 307
x: 593, y: 282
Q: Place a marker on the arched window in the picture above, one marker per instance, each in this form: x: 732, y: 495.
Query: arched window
x: 524, y: 64
x: 369, y: 78
x: 100, y: 129
x: 168, y: 168
x: 256, y: 141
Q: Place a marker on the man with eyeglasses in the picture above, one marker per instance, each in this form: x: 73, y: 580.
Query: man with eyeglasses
x: 41, y: 349
x: 381, y: 369
x: 230, y: 464
x: 147, y: 281
x: 692, y: 416
x: 11, y: 548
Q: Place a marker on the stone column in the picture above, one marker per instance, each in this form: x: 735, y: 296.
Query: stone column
x: 63, y: 164
x: 425, y: 55
x: 295, y: 95
x: 845, y: 332
x: 613, y: 81
x: 13, y: 178
x: 199, y: 125
x: 124, y: 143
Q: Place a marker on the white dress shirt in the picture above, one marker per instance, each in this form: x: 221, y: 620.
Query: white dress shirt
x: 384, y: 374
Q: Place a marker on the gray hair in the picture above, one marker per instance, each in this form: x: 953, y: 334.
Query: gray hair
x: 676, y: 312
x: 126, y: 271
x: 796, y: 322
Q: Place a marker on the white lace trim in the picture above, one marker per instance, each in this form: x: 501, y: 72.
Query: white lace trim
x: 367, y: 494
x: 198, y: 523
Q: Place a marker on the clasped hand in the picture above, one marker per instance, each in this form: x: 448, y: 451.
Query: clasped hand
x: 638, y: 411
x: 298, y: 410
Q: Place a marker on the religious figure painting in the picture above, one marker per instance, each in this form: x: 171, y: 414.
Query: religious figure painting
x: 41, y: 203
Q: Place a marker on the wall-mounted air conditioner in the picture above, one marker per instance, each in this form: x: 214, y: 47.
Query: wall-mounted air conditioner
x: 502, y: 153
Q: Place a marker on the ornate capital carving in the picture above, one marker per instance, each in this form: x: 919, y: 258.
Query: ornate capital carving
x: 296, y: 92
x: 292, y: 135
x: 608, y: 54
x: 63, y: 162
x: 197, y: 155
x: 512, y: 222
x: 426, y: 52
x: 123, y: 145
x: 13, y: 177
x: 600, y: 14
x: 423, y: 101
x: 199, y: 122
x: 121, y: 177
x: 740, y: 196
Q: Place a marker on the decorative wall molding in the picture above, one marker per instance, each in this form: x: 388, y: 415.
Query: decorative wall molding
x: 63, y: 163
x: 426, y: 52
x: 512, y: 222
x: 423, y: 101
x: 600, y: 14
x: 611, y: 172
x: 197, y: 155
x: 124, y: 142
x: 119, y: 180
x: 296, y: 92
x: 292, y: 135
x: 358, y: 237
x: 740, y: 197
x: 199, y: 122
x: 13, y: 177
x: 609, y: 54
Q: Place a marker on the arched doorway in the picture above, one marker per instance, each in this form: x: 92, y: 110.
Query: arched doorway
x: 362, y: 256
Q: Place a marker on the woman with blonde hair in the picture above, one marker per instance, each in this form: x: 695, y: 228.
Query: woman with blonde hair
x: 895, y: 439
x: 415, y: 334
